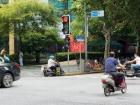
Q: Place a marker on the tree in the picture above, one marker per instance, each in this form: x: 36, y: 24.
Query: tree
x: 30, y: 17
x: 36, y: 42
x: 113, y: 19
x: 132, y: 18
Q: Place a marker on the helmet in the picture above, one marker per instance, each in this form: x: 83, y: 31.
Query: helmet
x: 112, y: 54
x: 51, y: 57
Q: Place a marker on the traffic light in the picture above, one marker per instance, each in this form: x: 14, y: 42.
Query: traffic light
x: 66, y: 24
x: 67, y: 41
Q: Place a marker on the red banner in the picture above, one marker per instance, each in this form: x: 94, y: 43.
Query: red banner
x: 76, y: 46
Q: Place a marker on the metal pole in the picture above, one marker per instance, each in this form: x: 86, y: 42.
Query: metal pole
x: 68, y: 57
x: 80, y: 58
x: 86, y: 34
x: 66, y: 4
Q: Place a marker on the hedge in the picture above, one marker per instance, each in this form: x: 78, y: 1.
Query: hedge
x: 61, y: 56
x: 91, y: 55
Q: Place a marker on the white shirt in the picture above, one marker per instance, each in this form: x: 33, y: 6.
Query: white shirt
x: 137, y: 59
x: 20, y: 55
x: 51, y: 62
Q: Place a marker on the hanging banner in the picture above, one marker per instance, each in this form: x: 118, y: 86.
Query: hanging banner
x: 76, y: 46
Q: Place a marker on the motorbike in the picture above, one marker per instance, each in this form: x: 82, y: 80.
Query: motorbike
x: 109, y: 86
x: 48, y: 72
x: 130, y: 73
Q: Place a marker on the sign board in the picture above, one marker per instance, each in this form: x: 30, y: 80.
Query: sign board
x: 77, y: 47
x: 97, y: 13
x: 80, y: 38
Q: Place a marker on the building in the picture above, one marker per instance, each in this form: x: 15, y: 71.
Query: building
x: 61, y: 4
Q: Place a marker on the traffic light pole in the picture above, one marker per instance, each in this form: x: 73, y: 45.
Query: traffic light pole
x: 68, y: 57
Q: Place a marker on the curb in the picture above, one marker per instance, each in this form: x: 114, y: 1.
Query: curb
x: 82, y: 73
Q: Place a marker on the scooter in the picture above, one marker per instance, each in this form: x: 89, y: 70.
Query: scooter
x: 109, y: 86
x: 130, y: 73
x: 48, y: 72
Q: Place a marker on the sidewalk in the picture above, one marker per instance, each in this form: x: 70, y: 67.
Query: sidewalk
x: 71, y: 62
x: 70, y: 68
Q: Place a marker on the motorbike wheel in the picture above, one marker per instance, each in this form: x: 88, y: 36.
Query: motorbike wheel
x: 62, y: 73
x: 107, y: 91
x: 123, y: 90
x: 129, y: 73
x: 137, y: 74
x: 45, y: 73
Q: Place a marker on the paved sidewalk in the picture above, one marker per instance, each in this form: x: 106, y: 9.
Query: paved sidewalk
x: 71, y: 62
x: 70, y: 68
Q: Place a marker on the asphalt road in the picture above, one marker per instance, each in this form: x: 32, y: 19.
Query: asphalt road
x: 34, y: 89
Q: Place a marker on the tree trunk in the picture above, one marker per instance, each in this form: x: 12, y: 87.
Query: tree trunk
x: 107, y: 32
x: 37, y: 57
x: 107, y: 44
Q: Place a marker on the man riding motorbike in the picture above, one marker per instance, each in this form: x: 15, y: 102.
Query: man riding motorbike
x: 112, y: 66
x: 135, y: 66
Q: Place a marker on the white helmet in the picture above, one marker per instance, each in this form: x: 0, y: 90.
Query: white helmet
x: 51, y: 57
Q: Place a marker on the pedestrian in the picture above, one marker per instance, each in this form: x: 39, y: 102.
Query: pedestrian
x: 3, y: 52
x: 6, y: 59
x: 78, y: 62
x: 21, y: 58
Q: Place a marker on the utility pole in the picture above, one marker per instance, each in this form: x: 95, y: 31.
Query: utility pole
x: 66, y: 4
x: 86, y: 34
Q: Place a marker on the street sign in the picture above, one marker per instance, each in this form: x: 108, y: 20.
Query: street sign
x: 97, y: 13
x: 80, y: 38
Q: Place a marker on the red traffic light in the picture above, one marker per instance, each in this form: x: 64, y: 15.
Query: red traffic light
x: 66, y: 24
x: 65, y: 19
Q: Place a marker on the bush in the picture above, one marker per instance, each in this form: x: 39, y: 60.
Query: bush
x: 91, y: 55
x: 63, y: 56
x: 27, y: 58
x: 14, y: 58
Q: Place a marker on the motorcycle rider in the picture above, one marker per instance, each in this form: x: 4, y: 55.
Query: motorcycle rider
x: 135, y: 66
x: 112, y: 65
x: 52, y: 63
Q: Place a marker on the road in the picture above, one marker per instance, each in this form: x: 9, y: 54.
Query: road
x: 34, y: 89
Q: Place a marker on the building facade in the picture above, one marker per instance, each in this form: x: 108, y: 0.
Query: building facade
x: 61, y: 4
